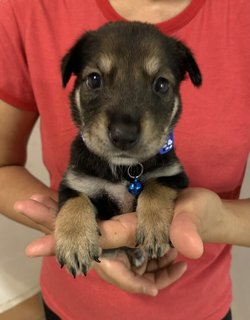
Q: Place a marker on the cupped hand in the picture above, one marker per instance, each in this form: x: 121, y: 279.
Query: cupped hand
x: 197, y: 218
x: 148, y: 279
x: 151, y: 277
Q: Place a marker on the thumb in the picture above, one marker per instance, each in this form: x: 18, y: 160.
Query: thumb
x: 185, y: 236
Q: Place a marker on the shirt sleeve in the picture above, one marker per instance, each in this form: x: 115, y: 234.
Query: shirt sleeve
x: 15, y: 84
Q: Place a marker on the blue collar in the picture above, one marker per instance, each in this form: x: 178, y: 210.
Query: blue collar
x: 169, y: 144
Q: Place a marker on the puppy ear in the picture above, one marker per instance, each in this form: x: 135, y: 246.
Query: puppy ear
x: 67, y: 67
x: 189, y: 65
x: 74, y: 61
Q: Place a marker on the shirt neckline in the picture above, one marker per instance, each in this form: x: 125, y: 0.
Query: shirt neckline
x: 168, y: 26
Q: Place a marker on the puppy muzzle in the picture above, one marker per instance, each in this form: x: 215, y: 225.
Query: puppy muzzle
x: 124, y: 135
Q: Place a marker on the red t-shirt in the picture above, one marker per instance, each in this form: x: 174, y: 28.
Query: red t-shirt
x: 212, y: 137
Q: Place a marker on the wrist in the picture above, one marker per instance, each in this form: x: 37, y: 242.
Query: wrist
x: 228, y: 223
x: 237, y: 221
x: 215, y: 220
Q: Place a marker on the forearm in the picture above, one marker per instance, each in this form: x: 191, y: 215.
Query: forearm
x: 201, y: 216
x: 237, y: 222
x: 227, y: 222
x: 16, y: 184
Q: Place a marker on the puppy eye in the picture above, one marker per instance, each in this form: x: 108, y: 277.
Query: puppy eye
x: 94, y: 81
x: 160, y: 85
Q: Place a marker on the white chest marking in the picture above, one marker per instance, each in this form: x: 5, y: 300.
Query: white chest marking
x: 94, y: 186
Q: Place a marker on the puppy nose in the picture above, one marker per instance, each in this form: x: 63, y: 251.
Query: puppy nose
x: 124, y: 135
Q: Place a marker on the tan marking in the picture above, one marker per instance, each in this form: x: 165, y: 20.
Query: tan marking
x: 151, y: 136
x: 105, y: 63
x: 78, y: 99
x: 152, y: 65
x: 155, y: 209
x: 76, y: 234
x: 96, y: 135
x: 175, y: 109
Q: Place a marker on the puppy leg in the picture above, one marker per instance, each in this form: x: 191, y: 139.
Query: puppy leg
x: 77, y: 234
x: 155, y: 209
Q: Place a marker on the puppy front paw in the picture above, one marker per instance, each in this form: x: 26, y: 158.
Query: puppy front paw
x: 155, y: 208
x: 153, y: 239
x: 77, y: 251
x: 77, y: 238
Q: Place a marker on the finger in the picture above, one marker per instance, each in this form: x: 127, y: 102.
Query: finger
x: 46, y: 200
x: 118, y: 274
x: 185, y: 237
x: 162, y: 262
x: 166, y: 276
x: 38, y: 212
x: 44, y: 246
x: 119, y: 231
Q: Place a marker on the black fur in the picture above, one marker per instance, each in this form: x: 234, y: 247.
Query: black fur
x: 106, y: 206
x: 86, y: 163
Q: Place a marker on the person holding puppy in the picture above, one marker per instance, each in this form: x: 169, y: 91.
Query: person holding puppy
x: 212, y: 141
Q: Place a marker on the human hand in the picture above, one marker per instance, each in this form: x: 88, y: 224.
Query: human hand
x: 148, y: 279
x: 198, y: 218
x: 152, y: 276
x: 42, y: 210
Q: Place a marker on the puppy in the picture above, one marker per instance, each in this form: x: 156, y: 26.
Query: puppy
x: 125, y: 103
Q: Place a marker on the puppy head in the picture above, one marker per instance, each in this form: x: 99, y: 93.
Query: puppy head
x: 126, y: 94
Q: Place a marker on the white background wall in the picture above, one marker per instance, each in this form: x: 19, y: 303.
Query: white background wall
x: 241, y: 268
x: 19, y: 276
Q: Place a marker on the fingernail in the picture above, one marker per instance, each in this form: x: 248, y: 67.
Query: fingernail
x: 17, y: 206
x: 185, y: 266
x: 34, y: 197
x: 151, y: 292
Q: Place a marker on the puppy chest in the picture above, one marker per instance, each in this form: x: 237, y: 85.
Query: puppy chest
x: 113, y: 199
x: 109, y: 198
